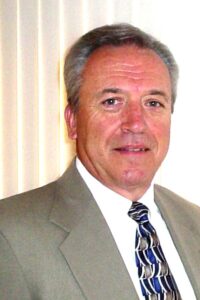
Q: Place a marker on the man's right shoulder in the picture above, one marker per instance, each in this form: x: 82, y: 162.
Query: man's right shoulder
x: 27, y: 203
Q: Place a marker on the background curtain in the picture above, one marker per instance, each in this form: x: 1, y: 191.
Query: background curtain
x: 34, y: 36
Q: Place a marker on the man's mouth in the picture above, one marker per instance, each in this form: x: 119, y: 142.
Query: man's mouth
x: 132, y: 149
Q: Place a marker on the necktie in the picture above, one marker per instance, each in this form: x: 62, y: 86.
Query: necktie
x: 156, y: 279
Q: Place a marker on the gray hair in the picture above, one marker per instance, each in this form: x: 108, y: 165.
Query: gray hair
x: 115, y: 35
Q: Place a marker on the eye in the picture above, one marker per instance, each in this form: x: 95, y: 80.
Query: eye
x: 154, y: 103
x: 110, y: 102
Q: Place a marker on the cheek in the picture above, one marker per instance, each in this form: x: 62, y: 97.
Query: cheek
x: 162, y: 135
x: 160, y: 128
x: 90, y: 130
x: 102, y: 127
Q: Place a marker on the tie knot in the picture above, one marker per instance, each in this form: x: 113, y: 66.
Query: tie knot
x: 139, y: 212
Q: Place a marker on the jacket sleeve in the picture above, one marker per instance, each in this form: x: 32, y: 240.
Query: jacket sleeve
x: 13, y: 285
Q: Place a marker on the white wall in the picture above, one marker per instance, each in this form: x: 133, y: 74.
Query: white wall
x: 34, y: 35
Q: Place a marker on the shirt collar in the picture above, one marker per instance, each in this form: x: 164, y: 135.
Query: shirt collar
x: 106, y: 197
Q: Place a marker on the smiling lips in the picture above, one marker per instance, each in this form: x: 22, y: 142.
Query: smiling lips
x: 132, y: 149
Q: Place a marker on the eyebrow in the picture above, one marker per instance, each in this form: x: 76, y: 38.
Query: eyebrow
x: 159, y: 93
x: 110, y: 90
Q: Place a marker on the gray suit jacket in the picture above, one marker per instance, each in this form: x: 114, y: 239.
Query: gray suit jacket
x: 56, y: 245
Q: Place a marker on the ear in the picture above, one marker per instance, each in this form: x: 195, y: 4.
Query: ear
x: 70, y: 118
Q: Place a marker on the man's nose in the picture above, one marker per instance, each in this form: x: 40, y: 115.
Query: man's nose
x: 133, y: 119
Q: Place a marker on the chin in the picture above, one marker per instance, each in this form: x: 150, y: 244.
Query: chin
x: 138, y: 177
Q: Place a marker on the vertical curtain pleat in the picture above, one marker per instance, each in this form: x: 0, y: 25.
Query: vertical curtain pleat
x: 48, y: 83
x: 27, y: 98
x: 8, y: 94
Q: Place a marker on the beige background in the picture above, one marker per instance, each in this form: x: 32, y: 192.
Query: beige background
x: 34, y: 36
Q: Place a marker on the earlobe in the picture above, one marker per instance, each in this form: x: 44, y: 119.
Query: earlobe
x: 70, y: 118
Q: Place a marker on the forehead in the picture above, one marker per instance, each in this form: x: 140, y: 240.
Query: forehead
x: 128, y: 62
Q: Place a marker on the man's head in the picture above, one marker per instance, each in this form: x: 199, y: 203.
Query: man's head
x: 115, y: 35
x: 120, y: 106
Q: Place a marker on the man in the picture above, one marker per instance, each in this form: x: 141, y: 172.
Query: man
x: 73, y: 239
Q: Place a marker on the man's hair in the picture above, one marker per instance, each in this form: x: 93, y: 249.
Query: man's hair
x: 114, y: 35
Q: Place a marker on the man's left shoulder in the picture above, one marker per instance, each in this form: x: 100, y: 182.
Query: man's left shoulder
x: 170, y: 200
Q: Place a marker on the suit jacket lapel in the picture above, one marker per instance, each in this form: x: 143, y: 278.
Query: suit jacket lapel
x: 183, y: 222
x: 89, y: 248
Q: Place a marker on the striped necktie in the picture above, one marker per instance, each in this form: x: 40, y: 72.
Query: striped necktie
x: 156, y: 279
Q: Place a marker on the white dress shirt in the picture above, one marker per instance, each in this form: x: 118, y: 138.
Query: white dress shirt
x: 114, y: 208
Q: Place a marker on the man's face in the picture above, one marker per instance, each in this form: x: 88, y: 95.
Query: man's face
x: 122, y: 125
